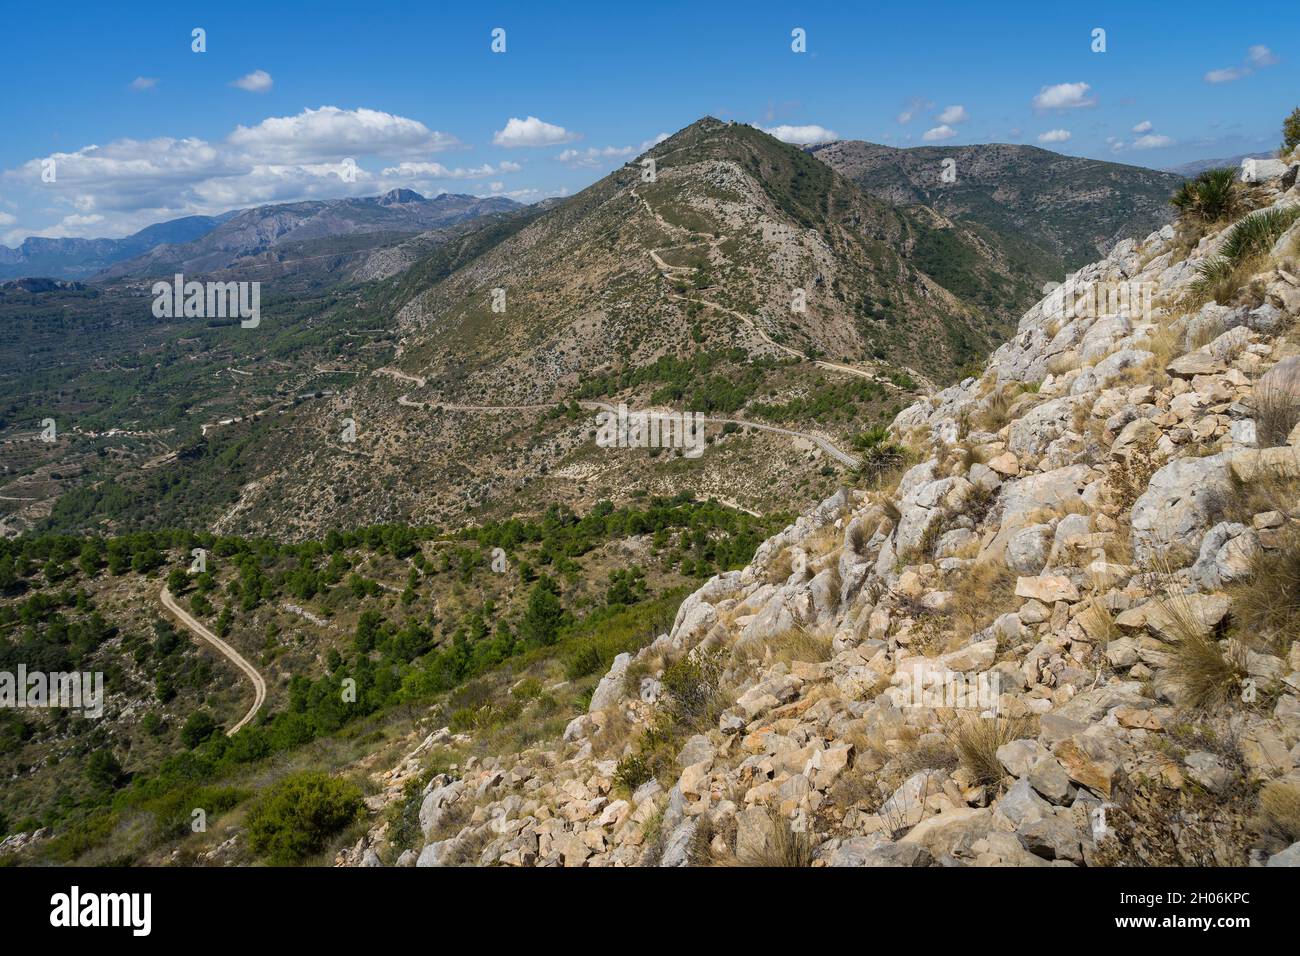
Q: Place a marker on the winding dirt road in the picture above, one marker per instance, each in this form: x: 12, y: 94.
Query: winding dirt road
x: 259, y: 685
x: 668, y: 270
x: 825, y: 444
x: 822, y: 442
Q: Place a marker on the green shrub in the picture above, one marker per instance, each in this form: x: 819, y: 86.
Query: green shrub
x: 1216, y: 279
x: 103, y: 771
x: 199, y: 727
x: 632, y: 771
x: 693, y: 686
x: 584, y: 660
x: 299, y: 814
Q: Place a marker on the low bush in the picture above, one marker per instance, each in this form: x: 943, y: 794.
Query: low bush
x: 297, y: 816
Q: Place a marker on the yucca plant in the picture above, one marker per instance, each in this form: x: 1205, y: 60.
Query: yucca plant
x: 1184, y: 196
x: 1256, y: 233
x: 1216, y: 280
x: 1209, y: 197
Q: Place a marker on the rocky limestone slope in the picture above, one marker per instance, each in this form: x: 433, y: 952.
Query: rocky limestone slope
x: 1091, y: 549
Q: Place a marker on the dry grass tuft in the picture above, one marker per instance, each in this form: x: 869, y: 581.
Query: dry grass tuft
x: 1266, y: 605
x: 976, y: 741
x: 1279, y: 812
x: 782, y: 848
x: 986, y: 589
x: 799, y: 644
x: 1276, y: 407
x: 1130, y: 475
x: 780, y: 568
x: 1208, y: 675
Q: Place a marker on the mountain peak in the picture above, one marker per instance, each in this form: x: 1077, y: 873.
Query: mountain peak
x: 395, y: 197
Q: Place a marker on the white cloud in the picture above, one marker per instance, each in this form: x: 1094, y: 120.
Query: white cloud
x: 802, y: 135
x: 409, y: 170
x: 6, y: 219
x: 531, y: 132
x: 143, y: 83
x: 592, y: 157
x: 127, y: 174
x: 1054, y: 136
x: 122, y: 186
x: 1064, y: 96
x: 914, y: 105
x: 1143, y: 127
x: 1258, y: 57
x: 259, y: 81
x: 1226, y: 75
x: 1152, y: 141
x: 938, y: 134
x: 953, y: 114
x: 332, y: 133
x: 70, y: 227
x: 649, y: 143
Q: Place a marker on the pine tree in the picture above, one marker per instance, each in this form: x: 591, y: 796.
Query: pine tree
x: 544, y: 616
x: 1291, y: 131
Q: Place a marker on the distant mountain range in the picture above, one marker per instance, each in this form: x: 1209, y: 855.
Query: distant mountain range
x: 1049, y: 214
x: 288, y: 231
x: 82, y: 258
x: 202, y: 244
x: 1201, y: 165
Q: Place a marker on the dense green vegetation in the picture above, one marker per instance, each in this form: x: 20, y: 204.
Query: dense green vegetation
x: 825, y: 403
x: 695, y: 383
x: 390, y: 660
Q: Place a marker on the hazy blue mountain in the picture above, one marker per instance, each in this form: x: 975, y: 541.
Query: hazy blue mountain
x: 80, y: 258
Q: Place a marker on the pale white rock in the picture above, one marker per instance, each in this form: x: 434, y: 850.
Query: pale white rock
x: 1028, y: 549
x: 1047, y: 588
x: 1227, y: 554
x: 1262, y: 170
x: 1018, y: 755
x: 1033, y: 432
x: 610, y: 689
x: 1181, y: 500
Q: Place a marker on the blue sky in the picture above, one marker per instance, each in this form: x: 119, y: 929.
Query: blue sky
x: 142, y: 128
